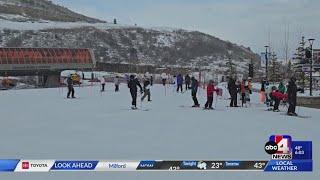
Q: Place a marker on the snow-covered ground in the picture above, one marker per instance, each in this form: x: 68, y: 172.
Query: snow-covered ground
x: 43, y: 124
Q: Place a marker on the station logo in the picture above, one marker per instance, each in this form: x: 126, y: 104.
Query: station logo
x: 279, y: 147
x: 25, y: 165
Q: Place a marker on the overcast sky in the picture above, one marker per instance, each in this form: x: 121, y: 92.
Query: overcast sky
x: 247, y: 22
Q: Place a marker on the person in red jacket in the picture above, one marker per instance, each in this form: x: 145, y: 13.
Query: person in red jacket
x: 277, y: 96
x: 210, y: 90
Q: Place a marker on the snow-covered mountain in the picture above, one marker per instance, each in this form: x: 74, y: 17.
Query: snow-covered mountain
x: 39, y: 11
x: 130, y: 44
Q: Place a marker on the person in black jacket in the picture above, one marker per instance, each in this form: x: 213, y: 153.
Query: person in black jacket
x: 194, y: 90
x: 292, y: 97
x: 187, y: 81
x: 70, y: 87
x: 233, y: 90
x: 132, y: 85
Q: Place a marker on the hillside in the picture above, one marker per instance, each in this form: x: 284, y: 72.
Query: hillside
x: 138, y: 46
x: 119, y: 44
x: 40, y: 11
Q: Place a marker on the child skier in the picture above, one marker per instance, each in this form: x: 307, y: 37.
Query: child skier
x: 132, y: 85
x: 210, y: 90
x: 103, y: 83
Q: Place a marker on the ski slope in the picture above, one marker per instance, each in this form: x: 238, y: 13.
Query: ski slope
x: 43, y: 124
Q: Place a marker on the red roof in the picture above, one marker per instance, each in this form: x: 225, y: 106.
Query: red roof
x: 45, y: 56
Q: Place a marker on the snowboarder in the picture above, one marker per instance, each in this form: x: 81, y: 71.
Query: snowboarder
x: 70, y: 87
x: 292, y: 97
x: 187, y: 81
x: 103, y: 83
x: 164, y: 78
x: 179, y: 82
x: 132, y: 85
x: 194, y: 90
x: 232, y: 87
x: 116, y: 83
x: 210, y: 90
x: 146, y: 89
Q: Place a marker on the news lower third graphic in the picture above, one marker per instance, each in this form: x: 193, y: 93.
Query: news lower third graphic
x: 286, y: 156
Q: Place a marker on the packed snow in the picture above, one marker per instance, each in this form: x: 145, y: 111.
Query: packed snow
x: 43, y: 124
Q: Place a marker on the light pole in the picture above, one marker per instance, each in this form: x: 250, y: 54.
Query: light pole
x: 266, y: 56
x: 311, y: 59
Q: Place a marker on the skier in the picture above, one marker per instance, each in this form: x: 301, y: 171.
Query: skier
x: 179, y: 82
x: 210, y: 90
x: 164, y: 78
x: 282, y: 88
x: 277, y: 96
x: 232, y: 87
x: 146, y: 89
x: 194, y: 90
x: 268, y: 91
x: 103, y: 83
x: 116, y: 83
x: 70, y: 87
x: 292, y: 97
x: 132, y: 85
x: 187, y: 81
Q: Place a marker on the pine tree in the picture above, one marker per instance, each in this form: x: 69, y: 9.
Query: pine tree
x: 231, y: 71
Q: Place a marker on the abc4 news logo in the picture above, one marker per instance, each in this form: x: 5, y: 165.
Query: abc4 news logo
x: 279, y: 147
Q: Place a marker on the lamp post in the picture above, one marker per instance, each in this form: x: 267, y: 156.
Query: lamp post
x: 266, y: 56
x: 311, y: 59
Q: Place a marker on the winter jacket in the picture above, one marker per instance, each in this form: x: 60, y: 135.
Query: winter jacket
x: 146, y: 85
x: 102, y: 80
x: 116, y: 81
x: 242, y: 88
x: 232, y: 87
x: 69, y: 82
x: 164, y: 76
x: 194, y: 85
x: 210, y: 90
x: 187, y: 79
x: 282, y: 88
x: 133, y: 83
x: 179, y: 80
x: 278, y: 95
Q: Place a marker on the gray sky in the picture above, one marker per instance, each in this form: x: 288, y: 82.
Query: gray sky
x: 247, y: 22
